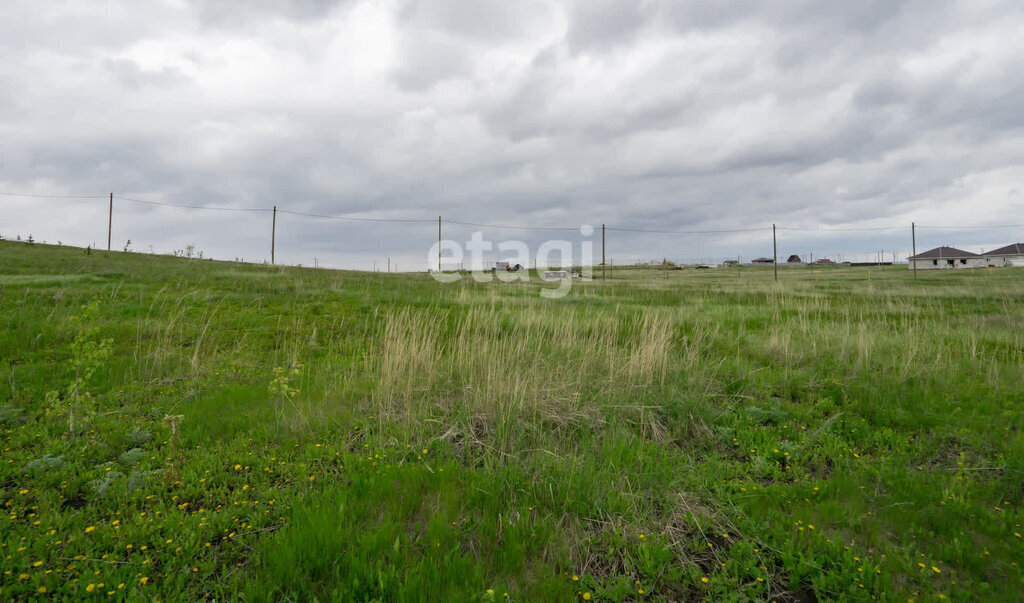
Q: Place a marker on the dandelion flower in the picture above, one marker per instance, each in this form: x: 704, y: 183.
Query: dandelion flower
x: 704, y: 579
x: 143, y: 580
x: 89, y: 529
x: 586, y: 596
x: 90, y: 588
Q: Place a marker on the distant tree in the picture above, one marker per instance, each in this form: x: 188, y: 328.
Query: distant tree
x: 128, y: 246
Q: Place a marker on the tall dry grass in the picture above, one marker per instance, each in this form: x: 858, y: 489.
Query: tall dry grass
x: 495, y: 371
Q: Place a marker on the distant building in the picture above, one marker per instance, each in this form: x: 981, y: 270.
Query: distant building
x: 1011, y: 255
x: 824, y: 261
x: 946, y: 258
x: 762, y: 261
x: 794, y: 259
x: 731, y: 263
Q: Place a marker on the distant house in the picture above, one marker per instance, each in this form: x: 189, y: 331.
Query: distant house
x: 731, y: 263
x: 824, y: 261
x: 762, y: 261
x: 794, y: 259
x: 1011, y: 255
x: 946, y: 258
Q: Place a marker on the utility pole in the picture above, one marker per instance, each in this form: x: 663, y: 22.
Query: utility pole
x: 913, y: 241
x: 110, y: 220
x: 775, y: 254
x: 439, y: 243
x: 273, y: 236
x: 604, y: 265
x: 389, y: 264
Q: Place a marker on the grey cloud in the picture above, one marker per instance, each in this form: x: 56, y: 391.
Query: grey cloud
x: 430, y: 59
x: 489, y: 21
x: 658, y: 115
x: 602, y: 25
x: 233, y: 13
x: 130, y: 75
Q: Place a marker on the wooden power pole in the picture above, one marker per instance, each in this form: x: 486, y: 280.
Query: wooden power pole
x: 913, y: 242
x: 110, y: 220
x: 273, y: 236
x: 775, y: 254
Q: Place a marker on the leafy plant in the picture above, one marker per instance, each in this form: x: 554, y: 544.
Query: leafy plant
x: 88, y: 353
x: 282, y: 389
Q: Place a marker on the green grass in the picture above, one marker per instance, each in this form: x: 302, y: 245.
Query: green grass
x: 846, y: 433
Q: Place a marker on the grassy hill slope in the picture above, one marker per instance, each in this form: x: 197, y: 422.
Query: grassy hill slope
x: 179, y: 429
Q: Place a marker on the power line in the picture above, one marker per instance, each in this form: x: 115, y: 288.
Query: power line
x: 689, y: 231
x: 549, y: 228
x: 210, y: 207
x: 841, y: 229
x: 509, y: 226
x: 354, y: 218
x: 975, y: 227
x: 54, y: 196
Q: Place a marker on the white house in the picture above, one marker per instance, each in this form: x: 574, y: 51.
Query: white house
x: 947, y: 258
x: 1011, y: 255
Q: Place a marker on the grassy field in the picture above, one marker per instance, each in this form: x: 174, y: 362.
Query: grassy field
x: 179, y: 429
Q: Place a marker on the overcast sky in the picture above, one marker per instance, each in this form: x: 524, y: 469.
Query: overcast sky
x: 640, y: 114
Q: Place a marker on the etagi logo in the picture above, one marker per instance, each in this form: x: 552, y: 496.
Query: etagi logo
x: 554, y: 261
